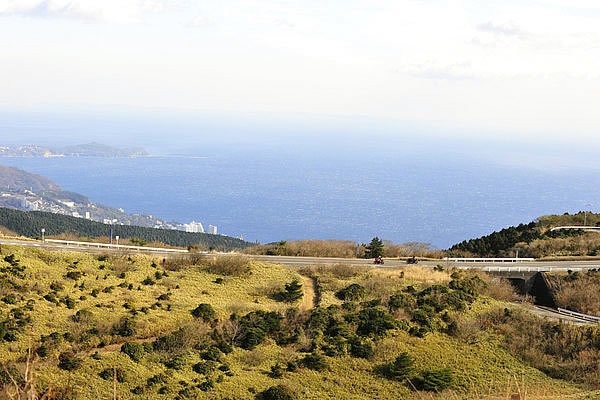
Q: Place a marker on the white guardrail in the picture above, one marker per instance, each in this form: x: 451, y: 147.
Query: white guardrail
x: 490, y: 260
x: 113, y: 246
x: 527, y: 269
x: 576, y: 314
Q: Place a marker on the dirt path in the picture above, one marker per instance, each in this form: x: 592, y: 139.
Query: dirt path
x: 309, y: 298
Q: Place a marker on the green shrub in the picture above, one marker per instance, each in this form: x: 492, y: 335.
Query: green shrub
x: 360, y: 349
x: 176, y: 363
x: 135, y: 351
x: 398, y: 301
x: 164, y: 297
x: 374, y: 322
x: 108, y: 374
x: 212, y: 353
x: 251, y: 337
x: 256, y: 326
x: 75, y: 275
x: 400, y: 369
x: 434, y: 380
x: 279, y: 392
x: 137, y: 390
x: 148, y: 281
x: 205, y: 312
x: 9, y: 299
x: 277, y: 371
x: 69, y: 302
x: 155, y: 380
x: 206, y: 385
x: 292, y: 292
x: 354, y: 292
x: 314, y: 361
x: 68, y: 361
x: 42, y: 351
x: 205, y: 367
x: 125, y: 327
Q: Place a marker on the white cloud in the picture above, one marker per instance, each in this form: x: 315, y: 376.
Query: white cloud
x: 115, y: 11
x: 523, y: 63
x: 505, y: 29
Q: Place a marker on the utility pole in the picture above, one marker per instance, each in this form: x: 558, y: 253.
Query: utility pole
x: 585, y: 214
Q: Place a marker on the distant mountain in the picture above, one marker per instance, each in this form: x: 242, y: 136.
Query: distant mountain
x: 100, y: 150
x: 18, y: 180
x: 24, y: 191
x: 82, y: 150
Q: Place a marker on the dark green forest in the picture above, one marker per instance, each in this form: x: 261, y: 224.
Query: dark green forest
x: 31, y: 223
x: 503, y: 242
x: 498, y: 243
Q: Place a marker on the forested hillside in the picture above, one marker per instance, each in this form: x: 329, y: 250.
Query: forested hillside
x: 30, y: 224
x: 536, y: 239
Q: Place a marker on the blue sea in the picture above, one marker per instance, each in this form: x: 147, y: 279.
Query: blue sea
x: 271, y: 198
x: 271, y: 187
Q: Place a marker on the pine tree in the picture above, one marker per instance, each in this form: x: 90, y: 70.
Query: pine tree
x: 292, y: 292
x: 375, y: 248
x: 400, y: 368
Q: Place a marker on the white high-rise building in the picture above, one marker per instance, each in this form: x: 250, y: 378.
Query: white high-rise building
x: 212, y: 229
x: 194, y: 227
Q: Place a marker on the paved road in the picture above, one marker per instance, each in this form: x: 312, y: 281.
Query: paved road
x: 389, y: 263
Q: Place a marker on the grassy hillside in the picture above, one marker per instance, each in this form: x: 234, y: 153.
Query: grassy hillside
x: 30, y: 224
x: 221, y: 328
x: 535, y: 239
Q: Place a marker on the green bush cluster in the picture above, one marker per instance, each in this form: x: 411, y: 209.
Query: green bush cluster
x: 205, y: 312
x: 292, y: 291
x: 256, y: 326
x: 402, y: 369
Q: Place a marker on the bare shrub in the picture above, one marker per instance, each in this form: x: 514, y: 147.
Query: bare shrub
x: 268, y: 289
x: 380, y: 285
x: 499, y: 289
x: 191, y: 335
x: 121, y: 265
x: 412, y: 249
x: 308, y: 248
x: 7, y: 232
x: 469, y: 330
x: 48, y: 257
x: 180, y: 262
x: 229, y: 265
x: 340, y: 271
x: 254, y: 358
x: 581, y: 294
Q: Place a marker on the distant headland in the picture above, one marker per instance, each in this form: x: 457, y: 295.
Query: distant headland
x: 81, y: 150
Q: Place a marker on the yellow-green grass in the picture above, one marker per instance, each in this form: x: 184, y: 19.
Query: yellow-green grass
x: 482, y: 369
x: 188, y: 287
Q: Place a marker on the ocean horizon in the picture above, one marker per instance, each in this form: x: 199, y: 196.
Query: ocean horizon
x: 434, y: 197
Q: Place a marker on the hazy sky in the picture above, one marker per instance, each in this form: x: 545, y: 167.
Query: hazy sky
x: 521, y: 68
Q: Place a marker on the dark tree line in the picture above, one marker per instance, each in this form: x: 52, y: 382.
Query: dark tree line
x: 499, y: 243
x: 31, y: 223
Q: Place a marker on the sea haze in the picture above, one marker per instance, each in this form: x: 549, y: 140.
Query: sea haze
x: 402, y: 190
